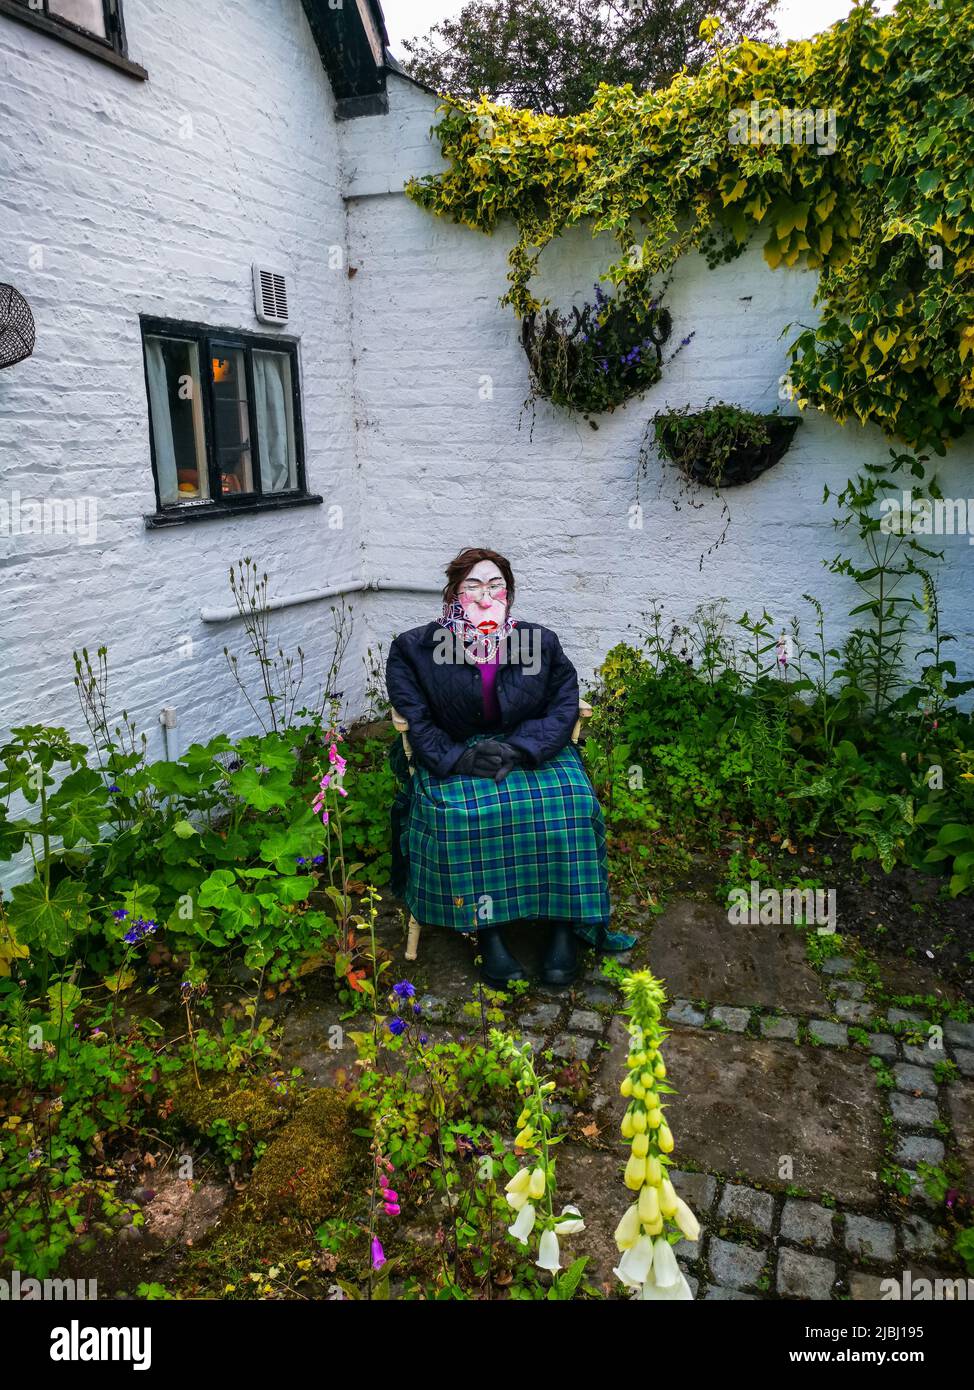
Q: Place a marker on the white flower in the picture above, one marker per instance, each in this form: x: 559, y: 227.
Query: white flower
x: 666, y: 1271
x: 536, y: 1183
x: 570, y: 1222
x: 524, y: 1224
x: 679, y: 1292
x: 549, y: 1255
x: 517, y: 1200
x: 636, y: 1264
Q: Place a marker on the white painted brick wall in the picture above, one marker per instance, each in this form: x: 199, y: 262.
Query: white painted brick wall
x: 443, y: 468
x: 156, y: 197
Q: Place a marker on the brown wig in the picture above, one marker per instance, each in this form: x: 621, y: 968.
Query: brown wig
x: 458, y: 569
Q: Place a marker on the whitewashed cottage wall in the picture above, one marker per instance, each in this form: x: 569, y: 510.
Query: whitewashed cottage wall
x: 444, y: 467
x: 120, y: 198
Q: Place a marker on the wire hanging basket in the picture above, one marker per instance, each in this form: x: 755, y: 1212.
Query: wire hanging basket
x: 16, y: 327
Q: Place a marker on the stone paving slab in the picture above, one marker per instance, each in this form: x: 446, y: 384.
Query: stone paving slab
x: 700, y: 955
x: 960, y: 1105
x: 744, y: 1103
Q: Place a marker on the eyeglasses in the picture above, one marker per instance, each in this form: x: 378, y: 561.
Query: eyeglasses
x: 470, y: 588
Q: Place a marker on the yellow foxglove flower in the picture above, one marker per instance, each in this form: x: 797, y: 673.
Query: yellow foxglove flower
x: 667, y: 1198
x: 654, y: 1170
x: 640, y: 1145
x: 628, y: 1128
x: 635, y: 1174
x: 665, y: 1139
x: 536, y: 1185
x: 627, y: 1231
x: 625, y: 1087
x: 520, y: 1181
x: 686, y: 1220
x: 639, y: 1121
x: 525, y: 1138
x: 649, y: 1204
x: 638, y: 1089
x: 654, y: 1118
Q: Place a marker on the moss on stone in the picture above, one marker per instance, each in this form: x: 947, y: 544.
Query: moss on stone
x: 307, y: 1170
x: 258, y: 1106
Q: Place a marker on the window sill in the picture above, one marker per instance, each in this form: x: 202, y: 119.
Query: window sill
x: 189, y: 515
x: 95, y: 48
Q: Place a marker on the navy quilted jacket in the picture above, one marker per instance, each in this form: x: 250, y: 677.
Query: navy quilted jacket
x: 439, y: 691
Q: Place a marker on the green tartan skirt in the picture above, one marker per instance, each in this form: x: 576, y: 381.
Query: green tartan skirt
x: 476, y: 853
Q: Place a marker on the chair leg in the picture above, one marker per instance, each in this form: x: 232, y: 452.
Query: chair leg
x: 412, y: 938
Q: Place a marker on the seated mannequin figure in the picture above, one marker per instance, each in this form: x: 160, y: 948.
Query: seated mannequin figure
x: 500, y: 822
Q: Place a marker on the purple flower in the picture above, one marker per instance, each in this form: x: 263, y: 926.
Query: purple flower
x: 424, y: 1038
x: 318, y: 859
x: 404, y: 990
x: 417, y: 1009
x: 396, y: 1026
x: 141, y: 929
x: 378, y: 1254
x: 300, y: 859
x: 119, y: 914
x: 113, y: 788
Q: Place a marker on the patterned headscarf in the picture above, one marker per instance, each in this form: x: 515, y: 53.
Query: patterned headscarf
x: 478, y: 646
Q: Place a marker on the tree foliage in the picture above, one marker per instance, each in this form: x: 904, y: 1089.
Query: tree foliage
x: 551, y: 55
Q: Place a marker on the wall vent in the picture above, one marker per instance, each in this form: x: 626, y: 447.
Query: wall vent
x: 270, y: 295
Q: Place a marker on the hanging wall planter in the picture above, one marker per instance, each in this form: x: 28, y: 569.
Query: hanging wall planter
x: 16, y: 327
x: 723, y: 446
x: 597, y: 357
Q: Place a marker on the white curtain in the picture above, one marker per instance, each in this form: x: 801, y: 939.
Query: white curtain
x: 165, y: 450
x: 275, y: 425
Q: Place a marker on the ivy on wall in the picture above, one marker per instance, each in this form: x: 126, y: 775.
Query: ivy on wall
x: 850, y: 154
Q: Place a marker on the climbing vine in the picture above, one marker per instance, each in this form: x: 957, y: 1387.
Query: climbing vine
x: 848, y: 154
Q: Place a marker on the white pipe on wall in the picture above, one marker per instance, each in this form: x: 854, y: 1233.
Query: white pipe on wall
x: 351, y: 586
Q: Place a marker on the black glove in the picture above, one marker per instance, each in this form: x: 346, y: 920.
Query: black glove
x: 510, y: 756
x: 481, y: 760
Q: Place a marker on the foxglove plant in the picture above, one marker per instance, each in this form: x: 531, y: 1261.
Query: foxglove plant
x: 533, y: 1186
x: 658, y: 1218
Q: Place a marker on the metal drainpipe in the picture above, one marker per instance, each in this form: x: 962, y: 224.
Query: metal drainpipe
x: 352, y: 586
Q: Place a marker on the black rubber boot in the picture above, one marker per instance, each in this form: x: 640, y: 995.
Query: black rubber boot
x: 560, y: 964
x: 499, y: 967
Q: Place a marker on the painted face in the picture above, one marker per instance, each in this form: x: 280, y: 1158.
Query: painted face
x: 483, y: 596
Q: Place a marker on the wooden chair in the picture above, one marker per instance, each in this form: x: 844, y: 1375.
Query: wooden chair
x: 402, y: 727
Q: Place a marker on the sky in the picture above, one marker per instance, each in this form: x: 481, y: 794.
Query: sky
x: 797, y: 19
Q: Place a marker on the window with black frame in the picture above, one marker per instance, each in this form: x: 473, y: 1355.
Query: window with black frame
x: 225, y: 420
x: 92, y: 19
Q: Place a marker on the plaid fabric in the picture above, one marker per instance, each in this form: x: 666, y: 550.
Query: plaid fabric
x: 481, y: 853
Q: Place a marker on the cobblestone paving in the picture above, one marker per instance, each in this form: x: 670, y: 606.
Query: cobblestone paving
x: 799, y: 1091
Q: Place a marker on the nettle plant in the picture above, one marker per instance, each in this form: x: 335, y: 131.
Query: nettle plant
x: 847, y: 154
